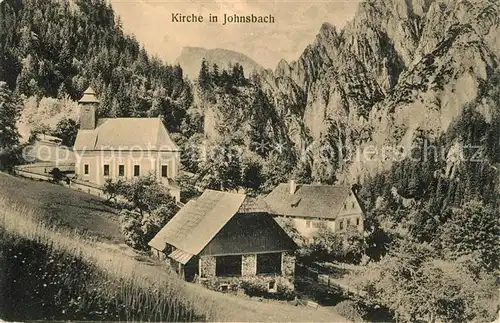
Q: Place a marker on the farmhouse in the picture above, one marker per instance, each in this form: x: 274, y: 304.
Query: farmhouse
x: 123, y: 148
x: 212, y: 237
x: 311, y: 205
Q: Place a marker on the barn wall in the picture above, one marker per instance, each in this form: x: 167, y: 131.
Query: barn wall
x: 207, y: 266
x: 288, y: 264
x: 249, y: 265
x: 249, y: 234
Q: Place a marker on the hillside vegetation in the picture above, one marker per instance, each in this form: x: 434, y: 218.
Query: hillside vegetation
x: 54, y: 274
x: 87, y: 277
x: 58, y: 48
x: 59, y: 206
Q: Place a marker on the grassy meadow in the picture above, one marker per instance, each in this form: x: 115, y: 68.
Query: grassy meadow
x: 56, y: 266
x: 62, y: 207
x: 50, y: 274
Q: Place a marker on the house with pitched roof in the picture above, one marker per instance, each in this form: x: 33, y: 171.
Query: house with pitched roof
x: 310, y: 206
x: 123, y: 148
x: 214, y: 236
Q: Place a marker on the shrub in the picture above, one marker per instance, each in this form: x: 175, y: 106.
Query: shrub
x: 285, y: 289
x: 258, y: 286
x: 326, y: 245
x: 351, y: 310
x: 255, y: 286
x: 131, y: 227
x: 139, y: 229
x: 112, y: 189
x: 146, y: 206
x: 215, y: 284
x: 57, y: 175
x: 11, y: 157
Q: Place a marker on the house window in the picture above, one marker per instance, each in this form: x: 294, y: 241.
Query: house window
x: 137, y: 170
x: 269, y: 263
x: 86, y: 169
x: 121, y: 170
x: 348, y: 222
x: 308, y: 224
x: 164, y: 171
x: 341, y: 225
x: 106, y: 170
x: 228, y: 266
x: 357, y: 221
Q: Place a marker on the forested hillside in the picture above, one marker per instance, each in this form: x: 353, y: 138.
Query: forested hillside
x: 58, y: 48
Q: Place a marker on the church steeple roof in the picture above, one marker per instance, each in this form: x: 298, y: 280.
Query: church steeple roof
x: 89, y: 96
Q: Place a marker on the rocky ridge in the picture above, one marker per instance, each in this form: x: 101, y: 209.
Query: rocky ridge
x: 397, y: 69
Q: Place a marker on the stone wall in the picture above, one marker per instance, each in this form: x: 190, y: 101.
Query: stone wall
x: 288, y: 264
x: 249, y: 265
x: 207, y: 266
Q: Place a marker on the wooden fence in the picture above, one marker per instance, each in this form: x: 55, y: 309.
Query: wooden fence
x: 89, y: 188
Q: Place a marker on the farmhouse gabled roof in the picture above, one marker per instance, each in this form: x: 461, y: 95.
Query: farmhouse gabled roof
x: 126, y: 134
x: 197, y: 223
x: 254, y: 205
x: 310, y: 201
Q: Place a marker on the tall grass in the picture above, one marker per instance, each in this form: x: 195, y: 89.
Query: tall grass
x: 50, y: 273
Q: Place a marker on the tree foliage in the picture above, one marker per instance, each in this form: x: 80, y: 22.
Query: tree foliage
x: 66, y: 129
x: 416, y: 284
x: 150, y: 207
x: 9, y: 114
x: 58, y: 48
x: 343, y: 246
x: 10, y: 150
x: 473, y: 229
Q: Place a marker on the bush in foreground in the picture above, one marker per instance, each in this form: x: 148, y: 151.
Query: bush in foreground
x: 351, y: 310
x: 256, y: 286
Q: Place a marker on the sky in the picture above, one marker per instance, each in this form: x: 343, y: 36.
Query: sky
x: 297, y: 22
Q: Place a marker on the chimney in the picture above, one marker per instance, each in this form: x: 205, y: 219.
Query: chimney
x: 293, y: 186
x: 355, y: 188
x: 88, y: 109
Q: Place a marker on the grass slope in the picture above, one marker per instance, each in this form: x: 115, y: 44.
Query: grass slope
x: 57, y: 205
x: 27, y: 206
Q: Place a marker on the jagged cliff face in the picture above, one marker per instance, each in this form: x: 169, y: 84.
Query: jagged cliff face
x: 397, y: 69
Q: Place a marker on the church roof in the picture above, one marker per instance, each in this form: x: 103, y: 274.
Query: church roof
x: 146, y: 134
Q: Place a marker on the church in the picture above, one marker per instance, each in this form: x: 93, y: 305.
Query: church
x: 123, y: 148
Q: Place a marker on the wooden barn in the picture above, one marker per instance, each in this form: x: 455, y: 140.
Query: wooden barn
x: 215, y: 236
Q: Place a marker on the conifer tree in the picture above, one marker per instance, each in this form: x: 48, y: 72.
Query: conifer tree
x: 215, y: 74
x: 204, y: 77
x: 9, y: 113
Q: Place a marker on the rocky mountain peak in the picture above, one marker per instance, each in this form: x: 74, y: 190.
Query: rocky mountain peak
x: 400, y: 67
x: 328, y: 31
x: 283, y: 68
